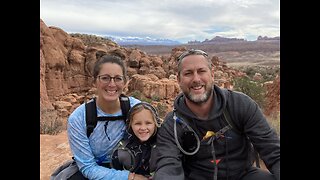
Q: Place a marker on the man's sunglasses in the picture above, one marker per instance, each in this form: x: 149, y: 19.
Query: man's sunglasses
x: 192, y: 52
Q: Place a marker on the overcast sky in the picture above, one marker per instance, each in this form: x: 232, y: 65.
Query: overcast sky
x: 180, y: 20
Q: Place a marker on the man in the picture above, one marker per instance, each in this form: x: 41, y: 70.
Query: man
x: 197, y: 142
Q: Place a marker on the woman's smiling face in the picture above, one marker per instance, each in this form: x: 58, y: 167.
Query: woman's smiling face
x: 110, y: 91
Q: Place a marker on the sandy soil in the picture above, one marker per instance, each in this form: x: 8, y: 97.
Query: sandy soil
x: 249, y: 58
x: 54, y: 150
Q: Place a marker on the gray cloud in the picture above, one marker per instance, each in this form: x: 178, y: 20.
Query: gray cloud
x: 181, y: 20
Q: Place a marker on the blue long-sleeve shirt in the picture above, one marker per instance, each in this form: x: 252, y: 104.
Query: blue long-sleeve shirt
x: 100, y: 144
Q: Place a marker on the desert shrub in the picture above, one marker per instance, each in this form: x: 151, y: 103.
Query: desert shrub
x: 268, y: 73
x: 274, y: 121
x: 146, y: 99
x: 136, y: 94
x: 162, y: 110
x: 249, y: 70
x: 253, y: 89
x: 155, y: 98
x: 139, y: 95
x: 50, y: 122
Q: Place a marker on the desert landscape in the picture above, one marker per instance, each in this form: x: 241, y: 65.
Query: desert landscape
x: 65, y: 63
x: 234, y: 53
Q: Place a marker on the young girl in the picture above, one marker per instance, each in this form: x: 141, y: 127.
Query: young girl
x: 135, y: 152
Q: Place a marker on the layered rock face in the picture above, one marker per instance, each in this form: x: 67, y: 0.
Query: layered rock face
x: 66, y: 62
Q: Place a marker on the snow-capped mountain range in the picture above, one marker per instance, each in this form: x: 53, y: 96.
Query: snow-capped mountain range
x: 142, y: 41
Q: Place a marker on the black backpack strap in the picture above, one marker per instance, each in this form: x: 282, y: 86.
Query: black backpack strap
x: 125, y: 106
x: 91, y: 116
x: 91, y: 113
x: 227, y: 117
x: 237, y: 130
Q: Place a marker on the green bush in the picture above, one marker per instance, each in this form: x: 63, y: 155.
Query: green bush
x: 146, y: 99
x: 268, y: 73
x: 139, y: 95
x: 162, y: 110
x: 253, y: 89
x: 136, y: 94
x: 155, y: 98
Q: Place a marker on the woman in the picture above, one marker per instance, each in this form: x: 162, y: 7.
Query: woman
x: 93, y: 154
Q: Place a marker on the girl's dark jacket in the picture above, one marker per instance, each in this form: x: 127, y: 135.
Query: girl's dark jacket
x: 231, y: 150
x: 134, y: 155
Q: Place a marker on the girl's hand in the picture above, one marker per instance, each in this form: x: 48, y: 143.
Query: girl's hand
x: 134, y: 176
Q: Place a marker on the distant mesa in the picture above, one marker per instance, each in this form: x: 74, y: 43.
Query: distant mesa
x: 260, y: 38
x: 219, y: 39
x: 147, y: 41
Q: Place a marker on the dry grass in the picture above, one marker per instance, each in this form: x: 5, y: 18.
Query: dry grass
x: 50, y: 122
x: 274, y: 121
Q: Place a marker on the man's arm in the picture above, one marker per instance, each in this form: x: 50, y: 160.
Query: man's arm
x: 262, y: 135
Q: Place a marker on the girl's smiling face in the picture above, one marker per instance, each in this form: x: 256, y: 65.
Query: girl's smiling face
x: 143, y: 124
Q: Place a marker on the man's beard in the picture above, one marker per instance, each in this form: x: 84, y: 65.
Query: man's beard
x: 199, y: 99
